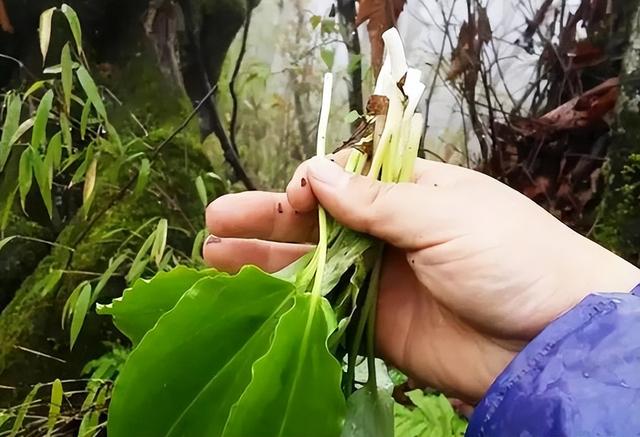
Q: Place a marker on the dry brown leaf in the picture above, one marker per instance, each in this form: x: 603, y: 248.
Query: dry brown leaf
x: 5, y: 22
x: 381, y: 16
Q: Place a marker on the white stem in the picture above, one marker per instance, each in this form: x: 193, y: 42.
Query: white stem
x: 323, y: 124
x: 411, y: 152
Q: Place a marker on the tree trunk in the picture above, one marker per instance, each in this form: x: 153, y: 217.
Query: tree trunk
x: 618, y: 226
x: 131, y: 64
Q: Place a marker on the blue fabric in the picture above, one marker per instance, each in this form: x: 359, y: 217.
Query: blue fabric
x: 580, y: 377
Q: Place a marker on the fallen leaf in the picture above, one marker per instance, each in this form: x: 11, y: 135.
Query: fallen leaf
x: 381, y: 16
x: 5, y: 22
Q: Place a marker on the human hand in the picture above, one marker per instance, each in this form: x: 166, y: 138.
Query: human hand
x: 474, y: 270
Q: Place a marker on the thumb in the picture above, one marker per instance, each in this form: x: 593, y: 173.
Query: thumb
x: 385, y: 211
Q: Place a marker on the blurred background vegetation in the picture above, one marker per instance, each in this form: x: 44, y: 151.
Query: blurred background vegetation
x: 144, y: 111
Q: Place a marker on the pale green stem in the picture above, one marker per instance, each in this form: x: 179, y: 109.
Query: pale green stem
x: 321, y: 250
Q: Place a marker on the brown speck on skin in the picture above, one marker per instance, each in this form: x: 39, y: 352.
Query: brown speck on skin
x: 280, y: 208
x: 435, y: 185
x: 413, y: 261
x: 296, y: 212
x: 332, y: 160
x: 212, y: 239
x: 303, y: 182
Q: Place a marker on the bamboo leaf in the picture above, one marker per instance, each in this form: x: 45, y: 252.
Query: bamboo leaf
x: 70, y: 304
x: 53, y: 278
x: 79, y: 313
x: 39, y: 133
x: 202, y: 191
x: 143, y: 177
x: 84, y: 118
x: 67, y: 76
x: 65, y: 128
x: 22, y: 129
x: 224, y: 324
x: 135, y: 270
x: 53, y: 158
x: 196, y: 249
x: 140, y: 307
x: 54, y: 405
x: 89, y: 186
x: 74, y: 24
x: 45, y: 32
x: 22, y: 412
x: 369, y: 414
x: 10, y: 126
x: 7, y: 240
x: 35, y: 87
x: 91, y: 90
x: 114, y: 265
x: 308, y: 394
x: 25, y: 175
x: 160, y: 241
x: 44, y: 180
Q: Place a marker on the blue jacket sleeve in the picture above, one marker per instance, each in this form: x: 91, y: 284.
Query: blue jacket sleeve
x: 580, y: 377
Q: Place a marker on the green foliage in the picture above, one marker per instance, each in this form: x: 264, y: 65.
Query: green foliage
x: 370, y: 414
x: 224, y: 323
x: 432, y: 416
x: 140, y: 307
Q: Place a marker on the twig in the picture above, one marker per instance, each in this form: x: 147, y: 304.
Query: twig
x: 232, y: 84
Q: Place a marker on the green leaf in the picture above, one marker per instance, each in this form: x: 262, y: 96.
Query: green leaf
x: 315, y: 21
x: 7, y: 240
x: 39, y: 133
x: 67, y: 76
x: 70, y: 304
x: 53, y: 158
x: 22, y: 412
x: 10, y: 126
x: 54, y: 405
x: 140, y: 307
x: 89, y: 186
x: 347, y: 248
x: 53, y: 278
x: 22, y: 129
x: 79, y: 313
x: 35, y: 87
x: 328, y: 57
x: 196, y: 249
x: 84, y: 118
x: 45, y: 32
x: 434, y: 415
x: 369, y: 414
x: 114, y: 265
x: 202, y: 191
x: 160, y: 242
x: 138, y: 260
x: 44, y: 178
x: 355, y: 62
x: 91, y: 90
x: 143, y: 176
x: 25, y: 175
x: 223, y: 325
x: 307, y: 395
x: 65, y: 128
x: 74, y: 24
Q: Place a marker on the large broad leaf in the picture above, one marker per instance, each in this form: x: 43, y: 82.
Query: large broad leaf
x: 369, y: 414
x: 295, y: 389
x: 188, y: 371
x: 140, y: 307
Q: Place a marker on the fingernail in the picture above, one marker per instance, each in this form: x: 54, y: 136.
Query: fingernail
x: 303, y: 182
x: 212, y: 239
x: 328, y: 172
